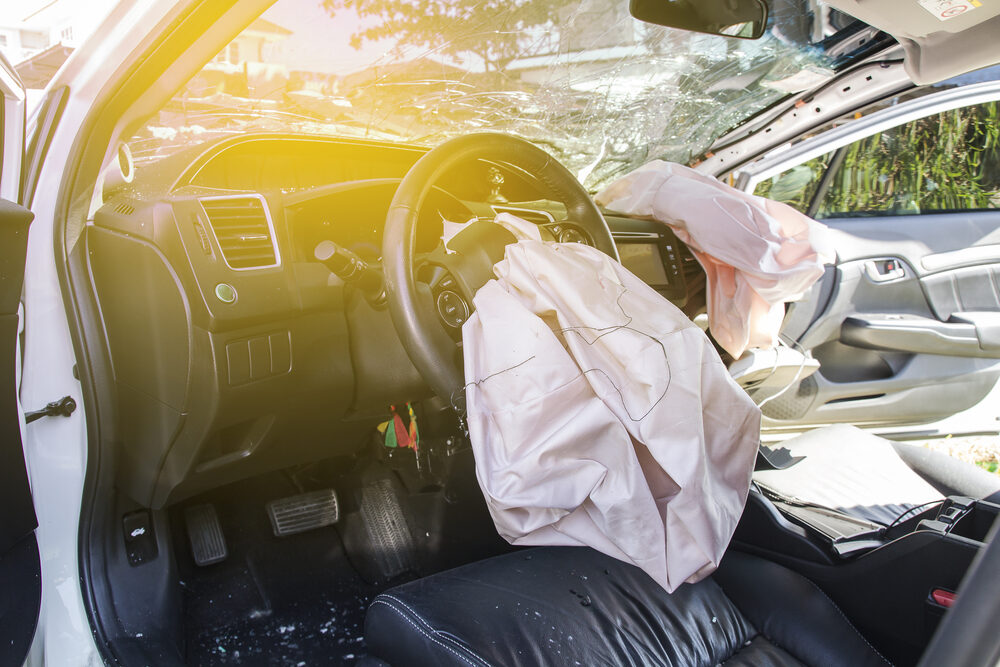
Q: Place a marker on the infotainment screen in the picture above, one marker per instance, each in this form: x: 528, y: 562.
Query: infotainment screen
x: 643, y: 259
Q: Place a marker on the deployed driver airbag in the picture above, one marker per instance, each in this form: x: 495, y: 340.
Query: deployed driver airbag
x: 600, y: 415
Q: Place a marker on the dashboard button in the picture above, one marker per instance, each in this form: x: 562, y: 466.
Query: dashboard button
x: 260, y: 358
x: 281, y: 352
x: 238, y: 358
x: 225, y: 293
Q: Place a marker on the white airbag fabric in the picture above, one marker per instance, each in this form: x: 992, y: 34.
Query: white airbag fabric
x: 757, y: 253
x: 600, y: 415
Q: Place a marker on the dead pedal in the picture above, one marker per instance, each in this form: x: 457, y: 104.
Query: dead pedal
x: 388, y: 532
x: 306, y: 511
x: 208, y: 544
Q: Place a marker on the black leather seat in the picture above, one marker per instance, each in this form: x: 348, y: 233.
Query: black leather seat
x: 575, y: 606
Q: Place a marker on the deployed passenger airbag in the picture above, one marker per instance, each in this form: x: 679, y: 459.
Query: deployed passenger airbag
x: 757, y: 253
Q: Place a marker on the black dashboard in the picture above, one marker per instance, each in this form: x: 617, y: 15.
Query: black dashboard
x: 234, y: 351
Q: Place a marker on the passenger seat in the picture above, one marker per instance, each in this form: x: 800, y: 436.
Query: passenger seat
x: 850, y: 470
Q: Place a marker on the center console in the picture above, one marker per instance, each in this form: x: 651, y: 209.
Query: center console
x: 894, y: 582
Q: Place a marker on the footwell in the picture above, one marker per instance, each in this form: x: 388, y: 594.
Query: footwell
x: 293, y: 600
x: 307, y: 634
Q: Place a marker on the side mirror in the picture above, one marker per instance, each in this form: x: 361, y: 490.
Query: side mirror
x: 745, y: 19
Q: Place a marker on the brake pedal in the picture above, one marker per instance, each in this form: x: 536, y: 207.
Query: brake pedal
x: 388, y: 533
x: 208, y: 544
x: 306, y: 511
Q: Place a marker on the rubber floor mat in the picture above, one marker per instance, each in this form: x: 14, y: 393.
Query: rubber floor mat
x: 314, y: 633
x: 267, y: 613
x: 294, y: 600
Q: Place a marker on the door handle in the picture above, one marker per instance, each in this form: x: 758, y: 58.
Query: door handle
x: 884, y: 270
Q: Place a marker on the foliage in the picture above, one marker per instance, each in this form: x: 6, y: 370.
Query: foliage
x: 444, y: 26
x: 797, y: 186
x: 945, y: 162
x: 989, y: 466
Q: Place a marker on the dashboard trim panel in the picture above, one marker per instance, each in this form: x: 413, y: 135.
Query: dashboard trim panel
x: 267, y: 217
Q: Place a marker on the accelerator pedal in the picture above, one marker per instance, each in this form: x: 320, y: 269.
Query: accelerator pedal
x: 208, y: 544
x: 388, y: 533
x: 306, y: 511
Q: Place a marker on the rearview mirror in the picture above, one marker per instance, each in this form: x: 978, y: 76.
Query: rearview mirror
x: 745, y: 19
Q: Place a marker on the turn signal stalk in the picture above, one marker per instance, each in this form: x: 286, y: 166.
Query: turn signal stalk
x: 352, y: 270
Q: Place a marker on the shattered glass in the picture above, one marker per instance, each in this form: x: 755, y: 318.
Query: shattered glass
x: 600, y: 90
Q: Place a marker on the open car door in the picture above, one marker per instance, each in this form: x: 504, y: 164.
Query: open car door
x: 20, y: 570
x: 906, y: 324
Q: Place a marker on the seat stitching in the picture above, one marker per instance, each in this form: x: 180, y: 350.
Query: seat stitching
x: 428, y: 635
x: 409, y: 609
x: 435, y: 631
x: 848, y: 621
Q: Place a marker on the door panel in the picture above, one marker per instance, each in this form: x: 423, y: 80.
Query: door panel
x: 967, y: 289
x: 919, y: 335
x: 942, y: 358
x: 20, y: 569
x: 20, y: 581
x: 910, y: 330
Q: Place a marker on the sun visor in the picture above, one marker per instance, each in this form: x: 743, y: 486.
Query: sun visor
x: 941, y: 38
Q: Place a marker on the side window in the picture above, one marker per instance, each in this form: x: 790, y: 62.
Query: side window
x: 946, y: 162
x: 796, y: 186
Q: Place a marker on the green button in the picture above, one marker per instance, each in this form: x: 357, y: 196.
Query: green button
x: 225, y: 292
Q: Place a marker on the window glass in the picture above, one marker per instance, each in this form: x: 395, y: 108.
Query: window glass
x: 601, y: 91
x: 796, y: 186
x: 944, y: 162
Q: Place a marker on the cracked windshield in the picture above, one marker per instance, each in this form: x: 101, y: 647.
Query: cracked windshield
x: 600, y: 90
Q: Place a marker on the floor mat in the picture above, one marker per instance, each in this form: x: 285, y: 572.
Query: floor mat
x: 293, y: 600
x: 299, y: 634
x: 301, y: 599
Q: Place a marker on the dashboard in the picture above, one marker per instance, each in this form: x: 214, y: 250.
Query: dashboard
x: 234, y: 351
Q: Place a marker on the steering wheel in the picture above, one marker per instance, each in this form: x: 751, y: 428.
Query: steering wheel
x: 430, y: 296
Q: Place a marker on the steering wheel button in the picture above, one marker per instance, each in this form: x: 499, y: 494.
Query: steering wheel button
x: 452, y: 308
x: 572, y: 235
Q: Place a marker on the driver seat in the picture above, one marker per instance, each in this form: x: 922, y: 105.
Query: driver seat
x: 576, y: 606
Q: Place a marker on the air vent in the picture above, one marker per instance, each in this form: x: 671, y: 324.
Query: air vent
x: 124, y: 209
x: 244, y: 232
x: 531, y: 215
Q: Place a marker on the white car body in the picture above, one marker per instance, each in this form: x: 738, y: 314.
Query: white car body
x: 56, y: 449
